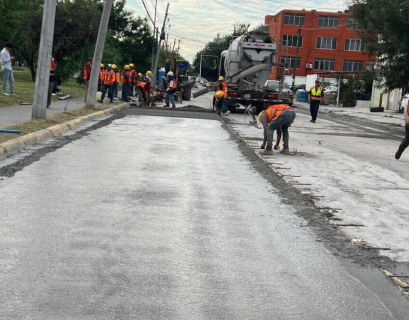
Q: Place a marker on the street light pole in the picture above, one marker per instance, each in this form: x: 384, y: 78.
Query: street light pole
x: 99, y: 50
x: 44, y: 60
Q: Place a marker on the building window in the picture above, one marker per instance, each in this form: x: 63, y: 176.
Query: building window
x: 328, y: 22
x: 326, y: 43
x: 354, y: 45
x: 292, y: 19
x: 351, y: 65
x: 370, y: 66
x: 289, y: 62
x: 291, y: 41
x: 353, y: 24
x: 324, y: 64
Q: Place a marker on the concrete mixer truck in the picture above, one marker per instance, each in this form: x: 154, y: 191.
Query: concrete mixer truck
x: 246, y: 67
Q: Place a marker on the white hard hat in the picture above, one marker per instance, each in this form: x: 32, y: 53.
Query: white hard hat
x: 109, y: 65
x: 170, y: 73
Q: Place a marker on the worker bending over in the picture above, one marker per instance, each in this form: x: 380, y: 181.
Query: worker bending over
x: 218, y: 101
x: 170, y: 90
x: 272, y: 119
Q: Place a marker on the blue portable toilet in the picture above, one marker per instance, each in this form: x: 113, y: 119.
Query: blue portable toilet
x: 161, y: 74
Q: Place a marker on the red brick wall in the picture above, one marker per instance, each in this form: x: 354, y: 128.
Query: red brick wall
x: 310, y: 31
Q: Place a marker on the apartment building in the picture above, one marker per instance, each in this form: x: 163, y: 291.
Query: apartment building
x: 328, y: 42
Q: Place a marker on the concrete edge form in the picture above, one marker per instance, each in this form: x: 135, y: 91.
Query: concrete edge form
x: 13, y: 146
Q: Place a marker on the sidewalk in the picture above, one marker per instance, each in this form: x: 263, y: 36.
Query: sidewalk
x: 19, y: 113
x: 388, y: 117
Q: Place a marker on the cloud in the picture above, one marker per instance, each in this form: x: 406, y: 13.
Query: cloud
x: 196, y: 22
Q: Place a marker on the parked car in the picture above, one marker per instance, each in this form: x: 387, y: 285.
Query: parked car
x: 300, y: 87
x: 285, y: 94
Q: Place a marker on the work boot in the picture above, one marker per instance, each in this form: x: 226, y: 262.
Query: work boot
x: 167, y: 104
x: 399, y: 153
x: 285, y: 151
x: 266, y: 152
x: 173, y: 106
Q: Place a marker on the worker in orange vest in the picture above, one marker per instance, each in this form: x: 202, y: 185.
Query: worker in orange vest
x: 143, y: 88
x: 87, y: 75
x: 224, y: 84
x: 117, y: 80
x: 53, y: 68
x: 126, y: 83
x: 101, y: 77
x: 134, y: 81
x: 276, y: 117
x: 108, y: 81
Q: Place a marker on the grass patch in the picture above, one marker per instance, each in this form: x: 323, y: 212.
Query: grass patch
x: 24, y: 88
x: 36, y: 125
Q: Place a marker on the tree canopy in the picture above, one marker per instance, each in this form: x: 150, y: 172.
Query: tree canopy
x: 384, y: 28
x: 129, y: 38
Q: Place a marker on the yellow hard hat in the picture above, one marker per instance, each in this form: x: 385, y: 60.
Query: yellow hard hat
x: 221, y: 78
x: 114, y: 66
x: 260, y: 114
x: 219, y: 94
x: 102, y: 65
x: 140, y: 75
x: 131, y: 65
x: 126, y: 67
x: 149, y: 73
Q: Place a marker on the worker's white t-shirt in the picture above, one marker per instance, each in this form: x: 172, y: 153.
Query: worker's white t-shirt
x: 5, y: 59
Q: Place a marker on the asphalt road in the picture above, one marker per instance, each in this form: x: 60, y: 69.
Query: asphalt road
x: 157, y: 217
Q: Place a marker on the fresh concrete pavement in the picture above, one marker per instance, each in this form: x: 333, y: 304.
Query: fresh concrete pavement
x: 162, y: 216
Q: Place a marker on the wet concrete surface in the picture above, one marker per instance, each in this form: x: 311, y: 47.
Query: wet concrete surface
x: 154, y: 217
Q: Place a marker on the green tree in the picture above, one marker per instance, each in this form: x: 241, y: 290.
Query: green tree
x: 384, y: 28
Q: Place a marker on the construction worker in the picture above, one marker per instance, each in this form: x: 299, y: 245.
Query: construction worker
x: 140, y: 76
x: 126, y: 84
x: 108, y: 81
x: 218, y: 101
x: 170, y: 90
x: 53, y: 67
x: 224, y: 84
x: 272, y: 119
x: 117, y: 80
x: 101, y: 77
x: 148, y: 79
x: 405, y: 142
x: 314, y: 96
x: 143, y: 89
x: 87, y: 75
x: 134, y: 81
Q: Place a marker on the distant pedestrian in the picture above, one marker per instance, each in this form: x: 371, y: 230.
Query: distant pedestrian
x: 272, y: 119
x: 314, y: 96
x: 87, y: 75
x: 109, y: 79
x: 405, y: 142
x: 167, y: 66
x: 170, y: 90
x: 6, y: 59
x: 126, y: 84
x: 51, y: 81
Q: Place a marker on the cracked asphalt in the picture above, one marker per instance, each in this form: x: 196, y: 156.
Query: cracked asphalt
x: 164, y: 214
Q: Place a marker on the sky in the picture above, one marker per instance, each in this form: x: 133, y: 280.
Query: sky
x: 196, y: 22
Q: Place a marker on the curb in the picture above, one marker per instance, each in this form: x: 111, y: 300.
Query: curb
x: 13, y: 146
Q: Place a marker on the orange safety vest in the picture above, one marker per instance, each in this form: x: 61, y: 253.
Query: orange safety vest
x: 132, y: 75
x: 117, y: 77
x: 144, y: 86
x: 172, y: 84
x: 101, y: 75
x: 224, y: 84
x: 125, y: 80
x: 109, y: 77
x: 85, y: 71
x: 274, y: 111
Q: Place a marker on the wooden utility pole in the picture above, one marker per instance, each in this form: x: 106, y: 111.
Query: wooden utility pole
x: 162, y: 37
x: 296, y: 54
x: 154, y: 29
x: 44, y: 60
x: 178, y: 47
x: 99, y: 50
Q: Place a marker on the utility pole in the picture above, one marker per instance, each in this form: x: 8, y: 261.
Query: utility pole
x: 167, y: 43
x: 178, y: 47
x: 154, y: 29
x: 44, y: 60
x: 99, y: 50
x: 296, y: 54
x: 162, y: 37
x: 174, y: 43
